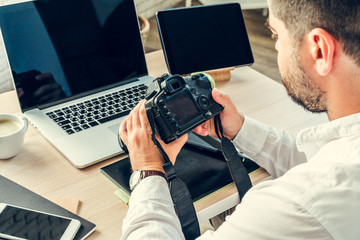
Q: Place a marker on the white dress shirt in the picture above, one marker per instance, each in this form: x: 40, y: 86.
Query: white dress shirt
x: 315, y: 193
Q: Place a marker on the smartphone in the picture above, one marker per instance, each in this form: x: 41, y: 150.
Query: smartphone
x: 23, y: 223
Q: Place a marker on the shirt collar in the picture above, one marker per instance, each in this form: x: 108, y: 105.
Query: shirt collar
x: 312, y: 139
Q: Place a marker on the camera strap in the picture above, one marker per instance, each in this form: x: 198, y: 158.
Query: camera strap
x: 180, y: 194
x: 234, y: 161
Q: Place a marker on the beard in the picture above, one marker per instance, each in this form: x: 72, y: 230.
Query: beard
x: 301, y: 87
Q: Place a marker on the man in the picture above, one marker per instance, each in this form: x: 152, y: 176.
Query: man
x: 316, y: 193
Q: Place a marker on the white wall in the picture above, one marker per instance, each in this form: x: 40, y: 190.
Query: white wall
x: 245, y: 4
x: 148, y: 8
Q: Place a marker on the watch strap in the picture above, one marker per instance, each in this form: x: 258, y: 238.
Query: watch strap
x: 147, y: 173
x: 143, y: 174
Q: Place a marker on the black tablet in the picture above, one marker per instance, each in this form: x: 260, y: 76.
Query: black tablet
x: 199, y: 164
x: 204, y: 37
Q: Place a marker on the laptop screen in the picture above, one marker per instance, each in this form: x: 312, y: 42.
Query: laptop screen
x: 61, y: 49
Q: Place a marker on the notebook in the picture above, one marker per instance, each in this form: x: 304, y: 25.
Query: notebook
x: 78, y: 68
x: 200, y: 164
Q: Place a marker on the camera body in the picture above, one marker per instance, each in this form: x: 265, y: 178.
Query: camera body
x: 176, y: 105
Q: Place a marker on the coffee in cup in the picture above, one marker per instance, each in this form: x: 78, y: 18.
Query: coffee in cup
x: 12, y: 132
x: 8, y: 127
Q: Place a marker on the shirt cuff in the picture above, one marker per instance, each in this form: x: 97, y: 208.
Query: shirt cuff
x: 151, y: 188
x: 251, y: 138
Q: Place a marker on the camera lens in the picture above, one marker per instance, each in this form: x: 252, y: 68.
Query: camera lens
x: 203, y: 102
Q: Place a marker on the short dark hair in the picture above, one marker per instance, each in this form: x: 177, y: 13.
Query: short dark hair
x: 341, y: 18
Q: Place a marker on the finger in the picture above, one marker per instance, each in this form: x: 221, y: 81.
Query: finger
x: 204, y: 128
x: 143, y: 117
x: 221, y: 98
x: 123, y: 132
x: 201, y: 130
x: 136, y: 117
x: 129, y: 122
x: 216, y: 94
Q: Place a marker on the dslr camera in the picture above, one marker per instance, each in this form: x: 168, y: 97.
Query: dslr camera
x: 175, y: 105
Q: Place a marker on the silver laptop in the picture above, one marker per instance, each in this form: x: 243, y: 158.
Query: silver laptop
x: 78, y: 68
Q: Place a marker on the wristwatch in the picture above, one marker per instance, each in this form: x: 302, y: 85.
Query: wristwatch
x: 139, y: 175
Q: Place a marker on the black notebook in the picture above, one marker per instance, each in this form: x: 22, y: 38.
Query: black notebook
x: 15, y: 194
x: 200, y: 164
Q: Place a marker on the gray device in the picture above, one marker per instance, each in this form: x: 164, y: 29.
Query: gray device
x: 78, y: 71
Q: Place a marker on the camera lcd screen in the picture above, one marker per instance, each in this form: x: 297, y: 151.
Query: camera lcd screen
x: 204, y: 37
x: 182, y: 107
x: 28, y: 224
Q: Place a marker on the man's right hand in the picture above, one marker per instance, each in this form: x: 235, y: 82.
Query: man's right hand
x: 231, y: 119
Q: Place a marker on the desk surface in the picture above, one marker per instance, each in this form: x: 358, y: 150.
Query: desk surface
x: 42, y: 169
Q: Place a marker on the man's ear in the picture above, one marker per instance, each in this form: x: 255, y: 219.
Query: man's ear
x: 322, y: 50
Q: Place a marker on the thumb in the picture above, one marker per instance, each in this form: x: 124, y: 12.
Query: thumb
x: 219, y: 97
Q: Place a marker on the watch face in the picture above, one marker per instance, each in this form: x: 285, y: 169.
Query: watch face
x: 134, y: 179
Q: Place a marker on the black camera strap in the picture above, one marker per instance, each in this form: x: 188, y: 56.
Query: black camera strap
x: 235, y: 162
x: 180, y: 194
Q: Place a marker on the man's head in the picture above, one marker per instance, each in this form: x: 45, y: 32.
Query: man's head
x: 310, y: 35
x: 340, y: 18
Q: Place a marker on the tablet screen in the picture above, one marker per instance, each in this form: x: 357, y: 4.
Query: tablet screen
x: 204, y: 38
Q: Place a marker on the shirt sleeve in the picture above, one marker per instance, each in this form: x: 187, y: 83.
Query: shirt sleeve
x: 274, y: 150
x: 266, y: 214
x: 151, y: 214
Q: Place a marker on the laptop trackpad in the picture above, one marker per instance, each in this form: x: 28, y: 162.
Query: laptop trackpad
x: 115, y: 128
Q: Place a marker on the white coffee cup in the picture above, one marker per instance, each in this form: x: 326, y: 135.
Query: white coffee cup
x: 12, y: 133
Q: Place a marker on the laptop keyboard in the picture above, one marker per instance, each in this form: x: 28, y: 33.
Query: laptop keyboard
x: 90, y: 113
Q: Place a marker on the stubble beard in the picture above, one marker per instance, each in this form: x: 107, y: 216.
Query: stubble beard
x: 301, y: 87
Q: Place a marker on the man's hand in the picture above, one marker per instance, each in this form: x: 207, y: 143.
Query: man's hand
x: 135, y: 131
x: 231, y: 119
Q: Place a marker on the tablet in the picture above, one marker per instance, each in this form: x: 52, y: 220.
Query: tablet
x: 199, y: 164
x: 204, y: 37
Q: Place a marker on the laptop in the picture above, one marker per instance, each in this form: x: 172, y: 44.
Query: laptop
x: 78, y: 68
